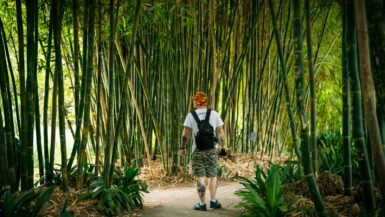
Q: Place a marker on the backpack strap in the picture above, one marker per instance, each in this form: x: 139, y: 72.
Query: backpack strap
x: 207, y: 119
x: 194, y: 114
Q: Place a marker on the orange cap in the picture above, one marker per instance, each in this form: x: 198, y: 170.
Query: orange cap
x: 200, y: 98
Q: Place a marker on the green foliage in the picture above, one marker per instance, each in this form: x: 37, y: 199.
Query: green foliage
x: 132, y: 186
x: 25, y: 204
x: 329, y: 153
x: 262, y: 196
x: 65, y: 213
x: 290, y: 172
x: 72, y: 173
x: 125, y: 193
x: 88, y: 175
x: 221, y: 172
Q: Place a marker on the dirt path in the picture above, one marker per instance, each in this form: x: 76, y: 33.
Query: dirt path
x: 178, y: 202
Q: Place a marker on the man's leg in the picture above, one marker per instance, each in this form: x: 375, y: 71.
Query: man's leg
x: 201, y: 189
x: 213, y: 185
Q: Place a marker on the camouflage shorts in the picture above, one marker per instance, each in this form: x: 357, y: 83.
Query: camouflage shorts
x: 204, y: 163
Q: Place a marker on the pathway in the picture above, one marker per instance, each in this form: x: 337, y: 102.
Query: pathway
x: 178, y: 202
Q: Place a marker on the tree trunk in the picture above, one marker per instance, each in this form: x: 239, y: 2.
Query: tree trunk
x: 87, y: 96
x: 53, y: 128
x: 37, y: 107
x: 23, y: 103
x: 285, y: 80
x: 5, y: 179
x: 313, y: 126
x: 376, y: 29
x: 58, y: 18
x: 304, y: 126
x: 80, y: 111
x: 111, y: 99
x: 127, y: 82
x: 346, y: 138
x: 98, y: 90
x: 357, y: 115
x: 49, y: 172
x: 369, y: 93
x: 76, y: 53
x: 27, y: 152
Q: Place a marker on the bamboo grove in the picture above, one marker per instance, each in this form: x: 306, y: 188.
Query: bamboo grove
x: 114, y: 80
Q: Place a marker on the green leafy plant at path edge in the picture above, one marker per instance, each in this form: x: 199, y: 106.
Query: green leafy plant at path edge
x: 125, y: 193
x: 262, y: 196
x: 25, y: 204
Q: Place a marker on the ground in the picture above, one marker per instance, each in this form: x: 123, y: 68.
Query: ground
x: 171, y: 195
x: 179, y: 201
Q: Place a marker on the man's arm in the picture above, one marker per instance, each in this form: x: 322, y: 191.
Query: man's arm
x: 221, y: 136
x: 185, y: 136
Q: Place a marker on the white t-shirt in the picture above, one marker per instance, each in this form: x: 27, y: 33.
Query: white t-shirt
x: 215, y: 121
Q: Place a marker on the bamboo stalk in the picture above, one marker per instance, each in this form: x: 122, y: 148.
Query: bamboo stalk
x: 346, y: 142
x: 87, y: 96
x: 313, y: 126
x: 111, y: 97
x: 58, y: 15
x: 127, y: 82
x: 285, y: 80
x: 27, y: 162
x: 48, y: 172
x: 357, y: 114
x: 5, y: 180
x: 304, y: 126
x: 23, y: 109
x: 368, y: 93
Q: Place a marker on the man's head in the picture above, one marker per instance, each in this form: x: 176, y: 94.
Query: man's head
x: 200, y: 99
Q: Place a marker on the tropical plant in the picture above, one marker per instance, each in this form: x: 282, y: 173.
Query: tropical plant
x: 28, y: 203
x: 263, y: 195
x: 125, y: 192
x: 330, y: 147
x: 88, y: 175
x: 221, y: 171
x: 65, y: 213
x: 127, y: 181
x: 290, y: 172
x: 111, y: 200
x: 87, y: 172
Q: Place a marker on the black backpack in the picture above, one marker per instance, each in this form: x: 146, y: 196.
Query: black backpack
x: 205, y: 138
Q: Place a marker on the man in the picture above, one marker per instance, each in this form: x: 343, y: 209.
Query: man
x: 204, y: 160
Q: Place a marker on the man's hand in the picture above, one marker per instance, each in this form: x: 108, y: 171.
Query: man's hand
x: 185, y: 135
x: 222, y: 153
x: 221, y: 140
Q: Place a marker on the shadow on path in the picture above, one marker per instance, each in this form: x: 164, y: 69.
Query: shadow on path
x: 180, y: 202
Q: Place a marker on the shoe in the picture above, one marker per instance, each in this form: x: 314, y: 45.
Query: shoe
x: 215, y: 204
x: 200, y: 207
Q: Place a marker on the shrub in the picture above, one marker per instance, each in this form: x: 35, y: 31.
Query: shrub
x: 330, y: 155
x: 125, y: 192
x: 290, y: 172
x: 262, y: 196
x: 133, y: 187
x: 28, y: 203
